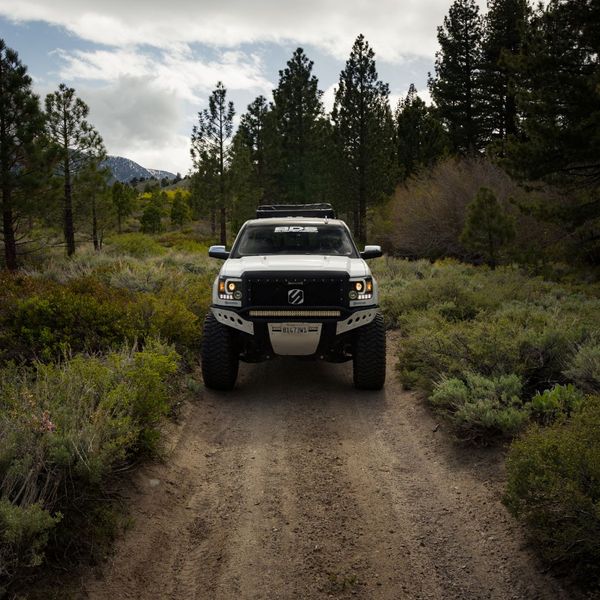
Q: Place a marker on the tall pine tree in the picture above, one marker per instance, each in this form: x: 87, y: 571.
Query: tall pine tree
x: 298, y: 111
x: 94, y: 209
x: 21, y: 123
x: 252, y: 134
x: 364, y: 133
x: 505, y: 28
x: 420, y: 137
x: 559, y: 99
x: 123, y: 198
x: 456, y: 87
x: 246, y: 193
x: 210, y: 139
x: 78, y: 143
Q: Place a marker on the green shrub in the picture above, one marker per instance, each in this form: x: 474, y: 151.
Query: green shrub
x: 169, y: 318
x: 151, y: 219
x: 66, y: 427
x: 554, y: 487
x: 584, y: 367
x: 482, y: 407
x: 23, y: 537
x: 135, y: 244
x: 532, y: 339
x: 558, y: 402
x: 67, y: 319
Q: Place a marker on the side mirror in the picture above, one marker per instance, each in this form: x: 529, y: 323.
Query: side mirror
x: 218, y: 252
x: 371, y: 252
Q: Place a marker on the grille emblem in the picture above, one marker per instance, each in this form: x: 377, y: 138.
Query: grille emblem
x: 295, y: 296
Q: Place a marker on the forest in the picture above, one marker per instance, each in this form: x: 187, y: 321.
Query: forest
x: 487, y: 205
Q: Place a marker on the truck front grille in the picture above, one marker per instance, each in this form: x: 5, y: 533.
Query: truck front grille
x: 316, y: 289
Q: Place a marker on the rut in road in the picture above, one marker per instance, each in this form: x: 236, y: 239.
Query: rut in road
x: 298, y: 486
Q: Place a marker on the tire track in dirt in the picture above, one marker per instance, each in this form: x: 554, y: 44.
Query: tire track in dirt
x: 298, y: 486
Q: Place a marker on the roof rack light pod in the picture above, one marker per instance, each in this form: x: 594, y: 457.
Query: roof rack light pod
x: 322, y: 210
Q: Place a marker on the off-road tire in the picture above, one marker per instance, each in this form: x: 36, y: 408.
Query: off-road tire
x: 220, y: 360
x: 368, y: 363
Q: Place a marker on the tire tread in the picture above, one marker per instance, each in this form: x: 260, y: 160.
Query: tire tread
x: 369, y: 355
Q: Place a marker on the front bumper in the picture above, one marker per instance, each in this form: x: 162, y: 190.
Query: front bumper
x: 344, y: 320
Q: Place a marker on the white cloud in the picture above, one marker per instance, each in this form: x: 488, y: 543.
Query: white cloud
x: 175, y: 70
x: 396, y: 28
x: 329, y: 97
x: 143, y: 104
x: 141, y: 120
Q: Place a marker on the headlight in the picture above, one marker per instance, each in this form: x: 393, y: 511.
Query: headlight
x: 361, y: 289
x: 230, y: 289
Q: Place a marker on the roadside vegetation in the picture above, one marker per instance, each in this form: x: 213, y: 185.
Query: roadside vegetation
x: 94, y: 352
x: 506, y: 354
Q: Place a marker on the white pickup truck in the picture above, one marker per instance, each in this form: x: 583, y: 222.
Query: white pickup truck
x: 294, y: 284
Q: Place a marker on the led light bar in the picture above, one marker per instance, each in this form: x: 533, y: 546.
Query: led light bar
x: 295, y: 313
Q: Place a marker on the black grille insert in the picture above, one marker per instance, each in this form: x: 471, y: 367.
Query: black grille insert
x: 277, y: 289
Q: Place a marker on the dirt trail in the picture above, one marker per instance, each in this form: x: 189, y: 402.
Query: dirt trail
x: 298, y: 486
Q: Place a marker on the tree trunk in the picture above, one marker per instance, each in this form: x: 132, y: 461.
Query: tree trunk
x: 222, y: 184
x: 355, y: 221
x: 68, y: 212
x: 362, y: 195
x: 213, y: 221
x: 223, y: 227
x: 362, y: 236
x: 491, y: 248
x: 95, y: 226
x: 8, y: 232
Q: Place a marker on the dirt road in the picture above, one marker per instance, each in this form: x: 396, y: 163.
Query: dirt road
x: 298, y: 486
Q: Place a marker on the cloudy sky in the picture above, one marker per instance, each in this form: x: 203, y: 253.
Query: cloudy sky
x: 146, y: 68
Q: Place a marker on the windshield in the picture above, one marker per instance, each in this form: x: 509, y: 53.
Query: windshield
x: 261, y: 240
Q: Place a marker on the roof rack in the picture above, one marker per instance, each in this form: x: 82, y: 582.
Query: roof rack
x: 322, y: 210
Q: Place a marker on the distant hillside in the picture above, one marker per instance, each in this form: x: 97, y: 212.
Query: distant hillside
x: 125, y: 169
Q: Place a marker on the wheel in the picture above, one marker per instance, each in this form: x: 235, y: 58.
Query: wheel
x: 220, y: 360
x: 369, y: 355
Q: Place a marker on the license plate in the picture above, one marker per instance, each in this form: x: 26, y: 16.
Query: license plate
x: 294, y: 328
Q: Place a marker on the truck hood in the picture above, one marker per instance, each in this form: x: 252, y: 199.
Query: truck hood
x: 235, y: 267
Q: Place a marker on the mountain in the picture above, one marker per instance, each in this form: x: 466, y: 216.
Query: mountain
x: 124, y: 169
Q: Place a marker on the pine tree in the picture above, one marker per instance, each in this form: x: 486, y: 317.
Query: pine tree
x: 559, y: 99
x: 93, y: 202
x: 210, y: 139
x: 297, y: 111
x: 505, y: 28
x: 246, y: 193
x: 204, y: 191
x: 420, y: 136
x: 180, y: 210
x: 559, y: 95
x: 363, y: 132
x: 456, y: 88
x: 488, y: 227
x: 21, y: 124
x: 78, y: 143
x: 151, y: 220
x: 123, y: 197
x: 252, y: 134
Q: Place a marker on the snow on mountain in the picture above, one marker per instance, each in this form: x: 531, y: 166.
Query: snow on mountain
x: 161, y: 174
x: 125, y: 169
